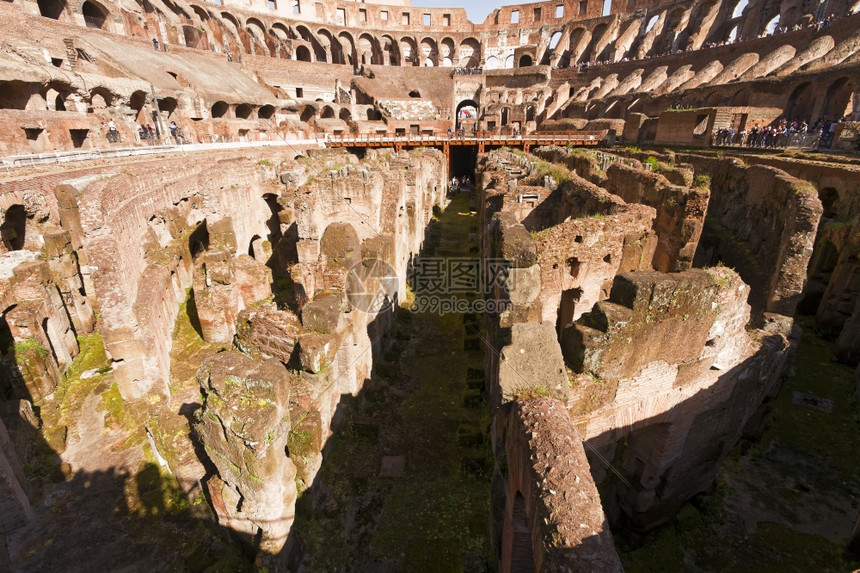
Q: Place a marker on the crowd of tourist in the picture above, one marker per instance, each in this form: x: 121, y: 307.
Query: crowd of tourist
x: 471, y: 71
x: 784, y: 134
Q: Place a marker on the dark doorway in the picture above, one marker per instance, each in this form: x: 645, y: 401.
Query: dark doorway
x: 463, y: 160
x: 13, y: 229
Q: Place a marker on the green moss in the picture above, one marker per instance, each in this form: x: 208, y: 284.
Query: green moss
x: 28, y: 346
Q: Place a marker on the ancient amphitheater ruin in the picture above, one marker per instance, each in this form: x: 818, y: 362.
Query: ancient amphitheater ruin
x: 342, y: 286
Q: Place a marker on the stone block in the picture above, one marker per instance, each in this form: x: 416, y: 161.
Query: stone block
x: 532, y: 364
x: 323, y: 312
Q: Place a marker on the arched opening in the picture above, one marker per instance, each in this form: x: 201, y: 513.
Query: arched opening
x: 344, y: 114
x: 266, y: 112
x: 800, y: 103
x: 505, y: 116
x: 303, y: 54
x: 651, y: 23
x: 829, y: 198
x: 492, y: 63
x: 522, y: 552
x: 770, y: 27
x: 525, y: 61
x: 192, y: 36
x: 373, y: 114
x: 136, y: 102
x: 429, y: 53
x: 467, y: 114
x: 14, y: 228
x: 733, y: 35
x: 219, y: 109
x: 530, y: 113
x: 739, y: 8
x: 550, y: 50
x: 307, y: 112
x: 51, y: 8
x: 94, y: 15
x: 198, y: 241
x: 14, y: 95
x: 327, y: 112
x: 100, y: 99
x: 741, y: 98
x: 60, y: 103
x: 819, y: 272
x: 470, y: 53
x: 509, y: 62
x: 855, y: 8
x: 244, y: 111
x: 839, y: 101
x: 167, y: 105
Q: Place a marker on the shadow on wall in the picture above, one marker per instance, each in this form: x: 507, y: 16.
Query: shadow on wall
x: 133, y: 516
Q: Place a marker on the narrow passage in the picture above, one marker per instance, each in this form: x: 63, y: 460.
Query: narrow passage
x: 405, y: 480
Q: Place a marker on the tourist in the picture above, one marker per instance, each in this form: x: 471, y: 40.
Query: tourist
x: 155, y: 43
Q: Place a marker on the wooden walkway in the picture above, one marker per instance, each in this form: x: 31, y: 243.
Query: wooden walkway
x: 525, y: 142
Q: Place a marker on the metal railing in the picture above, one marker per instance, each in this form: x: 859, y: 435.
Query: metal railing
x: 580, y: 138
x: 60, y: 157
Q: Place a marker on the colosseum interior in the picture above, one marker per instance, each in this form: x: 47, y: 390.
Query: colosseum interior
x: 369, y: 287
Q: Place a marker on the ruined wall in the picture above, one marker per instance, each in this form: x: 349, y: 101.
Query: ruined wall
x: 551, y: 500
x: 765, y: 221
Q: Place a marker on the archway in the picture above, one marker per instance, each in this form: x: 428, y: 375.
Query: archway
x: 470, y: 53
x: 266, y: 112
x: 800, y: 103
x: 770, y: 27
x: 51, y: 8
x: 839, y: 101
x: 307, y: 113
x: 94, y: 15
x: 344, y: 114
x: 429, y: 53
x: 467, y: 113
x: 244, y: 111
x: 192, y: 36
x: 525, y: 61
x: 14, y: 228
x: 550, y: 50
x: 219, y: 109
x: 303, y: 54
x: 327, y: 112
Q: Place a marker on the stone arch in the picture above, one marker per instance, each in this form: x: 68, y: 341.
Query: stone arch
x: 701, y: 22
x: 800, y: 103
x: 446, y: 52
x: 627, y: 39
x: 313, y: 43
x: 192, y: 36
x: 344, y: 114
x: 201, y: 12
x: 307, y: 113
x: 590, y: 53
x: 429, y: 52
x: 521, y: 552
x: 13, y: 230
x: 95, y: 15
x: 327, y: 112
x: 14, y: 95
x: 390, y: 50
x: 347, y: 47
x: 855, y: 8
x: 136, y: 102
x: 549, y: 53
x: 839, y: 99
x: 739, y: 8
x: 52, y: 8
x: 303, y: 54
x: 220, y: 109
x: 525, y: 61
x: 101, y: 98
x: 492, y: 63
x: 266, y: 111
x: 168, y: 105
x: 331, y: 45
x: 741, y: 98
x: 509, y: 61
x: 366, y: 49
x: 577, y: 42
x: 257, y: 33
x: 470, y: 53
x: 771, y: 25
x: 467, y: 110
x: 409, y: 51
x: 373, y: 114
x: 280, y: 31
x: 829, y: 198
x: 668, y: 39
x: 244, y: 111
